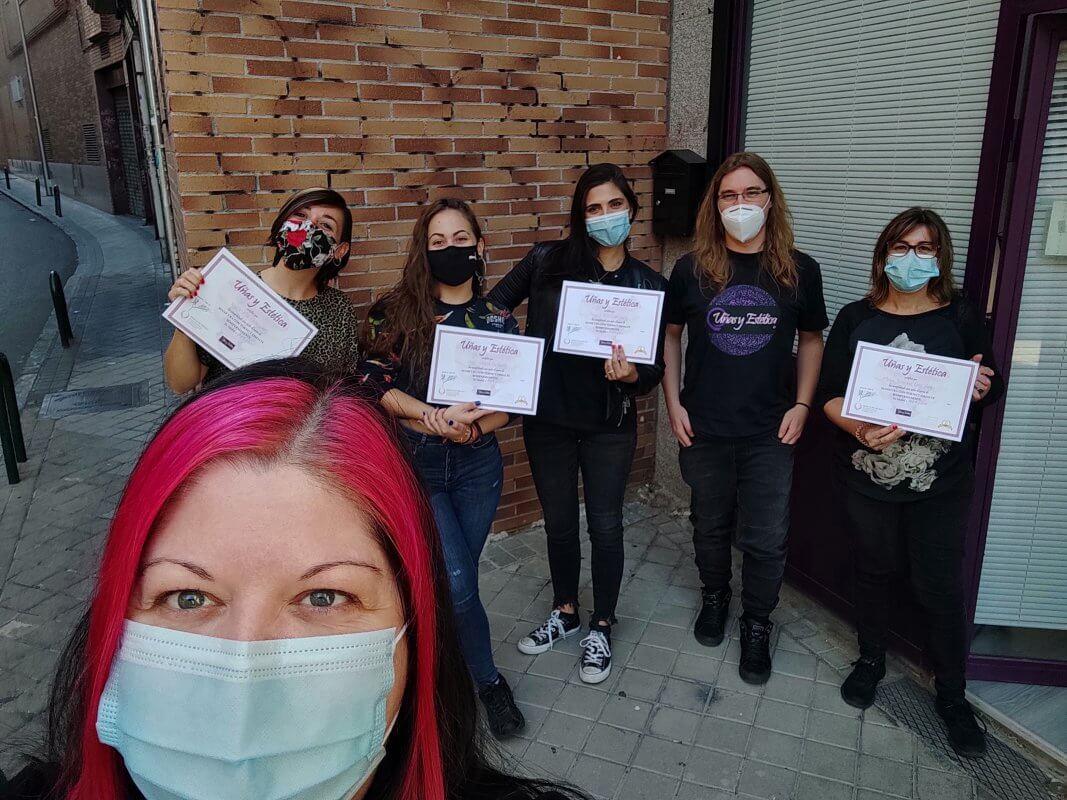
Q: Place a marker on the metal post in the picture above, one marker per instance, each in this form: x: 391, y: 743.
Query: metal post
x: 59, y: 302
x: 37, y: 183
x: 10, y: 429
x: 55, y: 196
x: 7, y: 388
x: 33, y: 100
x: 7, y: 177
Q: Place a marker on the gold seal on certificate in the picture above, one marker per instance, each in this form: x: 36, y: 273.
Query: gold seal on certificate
x: 501, y: 371
x: 237, y: 318
x: 918, y: 392
x: 592, y: 317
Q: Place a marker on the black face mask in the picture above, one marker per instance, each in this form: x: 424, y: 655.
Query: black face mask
x: 454, y: 265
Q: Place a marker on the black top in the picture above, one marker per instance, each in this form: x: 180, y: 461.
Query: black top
x: 916, y: 466
x: 574, y: 391
x: 740, y: 379
x: 392, y: 373
x: 334, y: 346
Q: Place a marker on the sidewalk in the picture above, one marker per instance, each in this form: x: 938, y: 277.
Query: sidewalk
x: 672, y: 721
x: 52, y: 522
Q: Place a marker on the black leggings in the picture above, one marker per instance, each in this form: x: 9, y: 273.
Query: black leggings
x: 932, y: 529
x: 556, y: 454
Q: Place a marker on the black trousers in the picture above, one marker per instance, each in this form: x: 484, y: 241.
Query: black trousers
x: 932, y: 530
x: 740, y: 486
x: 556, y: 454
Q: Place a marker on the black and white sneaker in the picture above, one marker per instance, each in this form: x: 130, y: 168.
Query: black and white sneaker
x: 596, y: 658
x: 559, y: 625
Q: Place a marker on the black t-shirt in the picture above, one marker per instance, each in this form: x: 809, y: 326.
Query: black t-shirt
x: 916, y: 466
x: 739, y: 373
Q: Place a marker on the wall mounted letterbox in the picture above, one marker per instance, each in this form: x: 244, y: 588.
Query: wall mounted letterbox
x: 679, y: 178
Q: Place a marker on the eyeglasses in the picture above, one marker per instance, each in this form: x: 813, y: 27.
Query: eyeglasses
x: 923, y: 250
x: 749, y: 195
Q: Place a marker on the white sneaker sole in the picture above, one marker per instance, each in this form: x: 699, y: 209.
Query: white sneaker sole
x: 599, y: 677
x: 536, y: 649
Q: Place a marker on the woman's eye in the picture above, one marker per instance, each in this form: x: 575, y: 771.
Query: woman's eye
x: 188, y: 600
x: 324, y: 598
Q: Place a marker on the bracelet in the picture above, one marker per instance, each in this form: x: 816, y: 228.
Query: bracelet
x: 470, y: 435
x: 478, y: 427
x: 861, y: 434
x: 799, y: 403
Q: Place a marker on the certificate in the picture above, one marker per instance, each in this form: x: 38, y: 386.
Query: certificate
x: 237, y: 318
x: 501, y: 370
x: 592, y: 317
x: 918, y: 392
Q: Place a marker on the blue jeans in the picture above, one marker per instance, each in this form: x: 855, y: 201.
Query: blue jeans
x: 741, y: 486
x: 464, y: 484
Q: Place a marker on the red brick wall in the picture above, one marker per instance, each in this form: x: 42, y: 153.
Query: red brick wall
x: 501, y: 103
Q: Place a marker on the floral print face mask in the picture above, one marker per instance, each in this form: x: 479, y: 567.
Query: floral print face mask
x: 304, y: 245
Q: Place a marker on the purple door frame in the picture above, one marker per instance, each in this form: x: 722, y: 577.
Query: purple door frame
x: 1024, y: 64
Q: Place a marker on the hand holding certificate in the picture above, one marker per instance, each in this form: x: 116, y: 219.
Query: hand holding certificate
x: 592, y: 317
x: 501, y: 371
x: 237, y: 318
x: 918, y: 392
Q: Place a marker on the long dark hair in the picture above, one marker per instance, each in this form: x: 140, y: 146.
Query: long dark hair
x: 317, y: 197
x: 315, y: 405
x: 402, y: 321
x: 709, y: 245
x: 577, y: 253
x: 940, y: 288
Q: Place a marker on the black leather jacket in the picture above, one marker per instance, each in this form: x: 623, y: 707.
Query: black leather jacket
x: 574, y: 391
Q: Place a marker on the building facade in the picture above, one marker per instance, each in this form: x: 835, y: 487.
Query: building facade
x: 88, y: 107
x: 500, y: 103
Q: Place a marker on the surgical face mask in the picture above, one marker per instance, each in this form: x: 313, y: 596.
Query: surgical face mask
x: 454, y: 265
x: 744, y: 220
x: 200, y: 718
x: 909, y: 273
x: 304, y: 245
x: 609, y: 230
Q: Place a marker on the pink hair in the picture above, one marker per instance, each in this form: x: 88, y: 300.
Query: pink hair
x: 274, y: 420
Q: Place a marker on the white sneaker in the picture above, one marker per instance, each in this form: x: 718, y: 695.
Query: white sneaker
x: 541, y: 639
x: 596, y: 660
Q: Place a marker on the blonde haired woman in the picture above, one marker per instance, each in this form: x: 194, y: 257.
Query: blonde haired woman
x: 745, y: 294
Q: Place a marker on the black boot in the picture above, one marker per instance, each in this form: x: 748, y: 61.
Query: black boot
x: 966, y: 733
x: 859, y: 687
x: 755, y: 666
x: 711, y: 622
x: 504, y: 716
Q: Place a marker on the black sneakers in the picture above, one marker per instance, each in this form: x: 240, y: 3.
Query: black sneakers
x: 710, y: 626
x: 859, y: 687
x: 596, y: 654
x: 559, y: 625
x: 966, y: 734
x: 504, y: 716
x: 755, y: 666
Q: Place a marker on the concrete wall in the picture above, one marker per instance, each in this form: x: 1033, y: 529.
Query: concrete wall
x: 687, y: 112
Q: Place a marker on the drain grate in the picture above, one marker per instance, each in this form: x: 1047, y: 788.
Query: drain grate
x: 87, y: 401
x: 1002, y: 772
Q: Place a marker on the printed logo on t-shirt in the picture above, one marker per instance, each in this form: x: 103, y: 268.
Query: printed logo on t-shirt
x: 742, y: 320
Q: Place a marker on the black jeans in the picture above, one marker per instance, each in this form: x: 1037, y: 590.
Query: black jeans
x: 556, y: 454
x: 740, y: 485
x: 932, y: 529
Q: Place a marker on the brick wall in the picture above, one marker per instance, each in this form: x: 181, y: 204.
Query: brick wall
x: 501, y: 103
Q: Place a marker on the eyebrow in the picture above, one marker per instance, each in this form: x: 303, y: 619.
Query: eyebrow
x: 200, y: 572
x: 311, y: 573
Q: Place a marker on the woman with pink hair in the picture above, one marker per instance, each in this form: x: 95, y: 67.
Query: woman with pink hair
x: 267, y: 621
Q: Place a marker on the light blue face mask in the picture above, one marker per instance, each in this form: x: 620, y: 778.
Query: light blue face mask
x: 609, y: 230
x: 199, y: 718
x: 909, y: 273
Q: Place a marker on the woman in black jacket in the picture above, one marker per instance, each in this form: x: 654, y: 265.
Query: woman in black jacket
x: 586, y: 419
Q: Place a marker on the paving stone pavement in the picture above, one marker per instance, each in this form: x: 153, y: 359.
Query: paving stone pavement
x: 53, y: 521
x: 672, y: 721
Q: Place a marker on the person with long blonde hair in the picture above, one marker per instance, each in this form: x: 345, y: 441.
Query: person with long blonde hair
x: 745, y: 294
